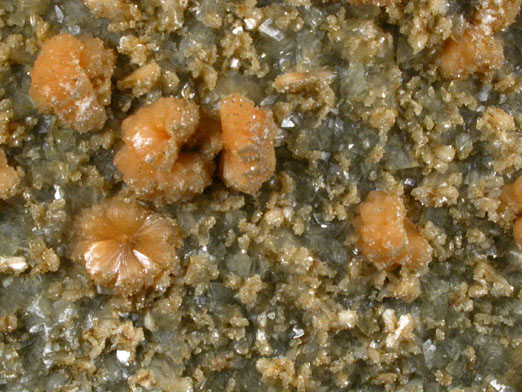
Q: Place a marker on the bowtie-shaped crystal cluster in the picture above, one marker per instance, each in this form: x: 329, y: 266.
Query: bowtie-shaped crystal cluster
x: 386, y: 236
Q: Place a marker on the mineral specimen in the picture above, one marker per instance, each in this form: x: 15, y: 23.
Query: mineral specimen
x: 166, y: 157
x: 248, y: 158
x: 386, y: 236
x: 125, y: 247
x: 71, y: 78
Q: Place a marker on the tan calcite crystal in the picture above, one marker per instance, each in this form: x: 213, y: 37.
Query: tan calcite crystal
x: 9, y: 178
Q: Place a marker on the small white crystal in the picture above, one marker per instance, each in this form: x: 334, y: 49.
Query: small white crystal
x: 347, y: 318
x: 267, y: 28
x: 287, y: 123
x: 58, y: 194
x: 13, y: 264
x: 269, y: 100
x: 483, y: 94
x: 324, y: 155
x: 234, y: 63
x: 59, y: 14
x: 250, y: 23
x: 123, y: 356
x: 402, y: 331
x: 428, y: 349
x: 498, y: 386
x: 74, y: 30
x: 298, y: 332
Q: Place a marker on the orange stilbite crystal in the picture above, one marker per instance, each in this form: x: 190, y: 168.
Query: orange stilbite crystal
x: 386, y: 236
x: 71, y: 78
x: 512, y: 194
x: 157, y: 131
x: 125, y: 247
x: 475, y: 52
x: 167, y: 157
x: 478, y: 51
x: 189, y: 175
x: 248, y: 158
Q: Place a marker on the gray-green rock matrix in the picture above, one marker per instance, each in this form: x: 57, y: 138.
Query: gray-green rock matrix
x: 272, y: 292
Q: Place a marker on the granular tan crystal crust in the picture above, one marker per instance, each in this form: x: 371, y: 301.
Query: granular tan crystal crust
x: 273, y: 291
x: 9, y: 178
x: 116, y: 10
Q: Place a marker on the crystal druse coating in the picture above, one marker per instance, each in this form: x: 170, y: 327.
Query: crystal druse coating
x: 252, y: 195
